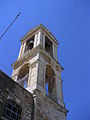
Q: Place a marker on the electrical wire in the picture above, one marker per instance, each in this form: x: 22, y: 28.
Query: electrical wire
x: 69, y: 18
x: 65, y: 28
x: 10, y: 25
x: 4, y: 66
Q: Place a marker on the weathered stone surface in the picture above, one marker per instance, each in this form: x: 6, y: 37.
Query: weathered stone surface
x: 12, y: 90
x: 46, y: 109
x: 43, y: 69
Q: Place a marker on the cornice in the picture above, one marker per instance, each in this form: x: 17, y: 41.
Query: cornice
x: 27, y: 56
x: 50, y: 59
x: 34, y: 30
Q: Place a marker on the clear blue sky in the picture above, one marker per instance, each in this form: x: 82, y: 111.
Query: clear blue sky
x: 73, y: 50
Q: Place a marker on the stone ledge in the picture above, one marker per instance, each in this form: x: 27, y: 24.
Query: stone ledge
x: 26, y: 57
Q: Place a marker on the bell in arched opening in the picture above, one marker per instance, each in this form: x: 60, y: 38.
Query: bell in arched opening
x: 30, y: 44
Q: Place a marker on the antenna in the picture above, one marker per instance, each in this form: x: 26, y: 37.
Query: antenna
x: 10, y: 25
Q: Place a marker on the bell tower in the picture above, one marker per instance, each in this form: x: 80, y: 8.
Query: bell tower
x: 38, y: 71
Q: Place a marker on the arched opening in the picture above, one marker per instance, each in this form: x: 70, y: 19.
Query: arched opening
x: 12, y: 110
x: 29, y: 44
x: 50, y: 85
x: 48, y: 46
x: 23, y: 76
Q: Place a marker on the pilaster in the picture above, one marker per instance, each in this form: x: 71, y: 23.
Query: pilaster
x: 20, y: 51
x: 35, y: 40
x: 43, y: 41
x: 39, y: 38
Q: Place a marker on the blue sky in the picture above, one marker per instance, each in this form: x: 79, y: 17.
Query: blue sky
x: 73, y: 50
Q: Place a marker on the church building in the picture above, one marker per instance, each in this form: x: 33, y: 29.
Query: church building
x: 34, y: 91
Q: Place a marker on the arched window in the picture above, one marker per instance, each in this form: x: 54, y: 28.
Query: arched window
x: 12, y: 111
x: 50, y: 85
x: 23, y: 76
x: 48, y: 46
x: 29, y: 44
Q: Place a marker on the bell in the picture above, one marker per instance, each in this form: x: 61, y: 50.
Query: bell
x: 31, y: 42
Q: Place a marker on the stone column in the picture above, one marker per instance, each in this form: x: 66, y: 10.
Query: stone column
x: 20, y: 51
x: 29, y: 75
x: 43, y: 41
x: 41, y: 78
x: 55, y: 51
x: 33, y: 71
x: 44, y: 75
x: 35, y: 40
x: 24, y: 45
x: 59, y: 91
x: 39, y: 38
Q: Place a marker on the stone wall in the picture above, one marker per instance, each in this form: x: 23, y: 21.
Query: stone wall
x: 46, y: 109
x: 10, y: 89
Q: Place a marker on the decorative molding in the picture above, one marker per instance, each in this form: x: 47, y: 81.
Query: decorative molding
x: 26, y: 57
x: 34, y: 31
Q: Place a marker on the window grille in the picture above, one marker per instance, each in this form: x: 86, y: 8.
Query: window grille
x: 12, y: 111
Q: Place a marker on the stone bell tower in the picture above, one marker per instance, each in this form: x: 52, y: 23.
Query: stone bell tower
x: 38, y: 71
